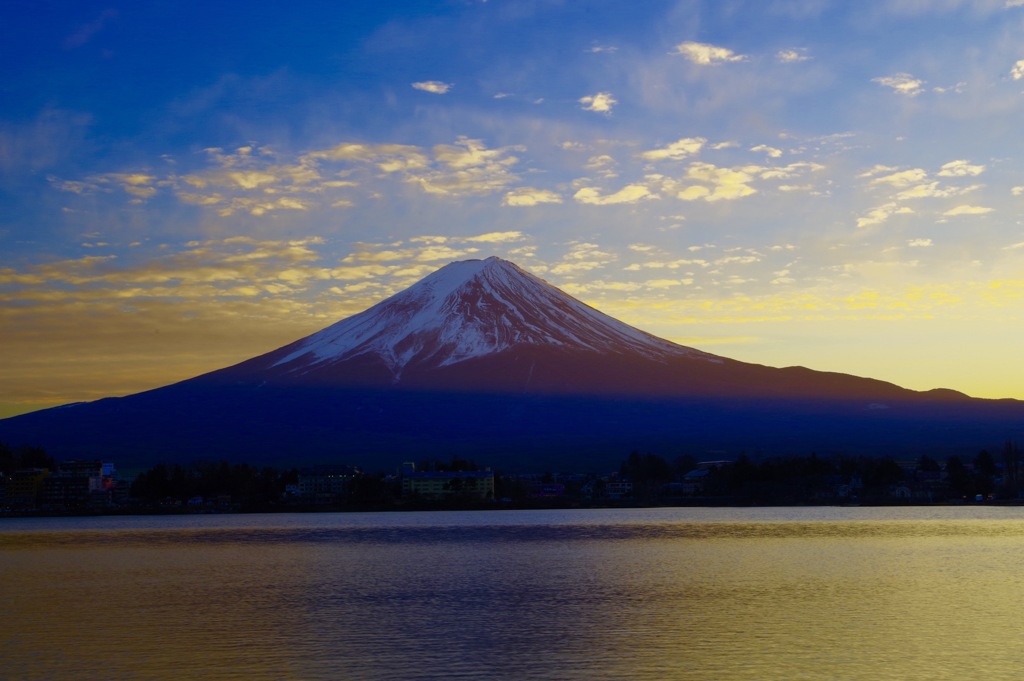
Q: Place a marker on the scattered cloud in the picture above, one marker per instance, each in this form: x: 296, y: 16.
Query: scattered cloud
x: 467, y: 167
x: 919, y: 243
x: 706, y: 55
x: 792, y: 55
x: 961, y: 168
x: 1017, y: 72
x: 388, y: 158
x: 882, y: 213
x: 772, y: 152
x: 932, y: 190
x: 496, y: 237
x: 726, y: 183
x: 582, y: 257
x: 433, y: 86
x: 529, y: 196
x: 903, y: 178
x: 968, y: 210
x: 676, y: 151
x: 602, y: 102
x: 902, y: 83
x: 628, y: 194
x: 667, y: 264
x: 603, y: 165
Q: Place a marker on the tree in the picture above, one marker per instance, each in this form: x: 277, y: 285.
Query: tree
x: 1011, y: 468
x: 958, y: 476
x: 984, y: 464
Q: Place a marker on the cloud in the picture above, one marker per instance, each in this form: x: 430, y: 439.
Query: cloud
x: 602, y: 102
x: 497, y: 237
x: 666, y: 264
x: 789, y: 171
x: 726, y: 183
x: 931, y: 190
x: 902, y: 83
x: 602, y: 164
x: 903, y: 178
x: 687, y: 146
x: 1017, y: 72
x: 366, y: 253
x: 389, y: 158
x: 919, y: 243
x: 877, y: 170
x: 436, y: 253
x: 243, y: 265
x: 469, y: 167
x: 705, y: 54
x: 961, y: 168
x: 433, y: 86
x: 882, y: 213
x: 628, y: 194
x: 468, y: 153
x: 528, y: 196
x: 582, y: 257
x: 968, y: 210
x: 772, y: 152
x: 693, y: 193
x: 792, y: 55
x: 139, y: 185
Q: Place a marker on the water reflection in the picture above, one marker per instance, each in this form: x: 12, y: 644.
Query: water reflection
x: 638, y: 595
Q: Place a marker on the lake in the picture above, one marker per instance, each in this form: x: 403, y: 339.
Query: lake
x: 681, y: 593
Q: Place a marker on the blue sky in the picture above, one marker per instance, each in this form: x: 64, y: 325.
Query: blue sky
x: 832, y: 184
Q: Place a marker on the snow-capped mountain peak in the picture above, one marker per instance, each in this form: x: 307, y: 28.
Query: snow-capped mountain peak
x: 466, y: 310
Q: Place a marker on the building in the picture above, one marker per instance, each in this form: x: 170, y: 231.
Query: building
x: 326, y: 483
x: 21, y: 488
x: 440, y: 485
x: 618, y: 489
x: 77, y: 486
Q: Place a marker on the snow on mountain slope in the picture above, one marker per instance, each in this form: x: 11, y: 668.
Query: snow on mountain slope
x: 472, y: 309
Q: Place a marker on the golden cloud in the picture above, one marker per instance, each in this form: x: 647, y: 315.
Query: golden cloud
x: 678, y: 150
x: 602, y: 102
x: 628, y: 194
x: 902, y: 83
x: 529, y: 196
x: 705, y: 54
x: 433, y: 86
x: 968, y: 210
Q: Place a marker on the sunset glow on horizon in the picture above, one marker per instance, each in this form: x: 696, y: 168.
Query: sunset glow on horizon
x: 801, y: 182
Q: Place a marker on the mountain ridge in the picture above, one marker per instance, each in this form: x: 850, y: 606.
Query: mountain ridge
x: 483, y: 359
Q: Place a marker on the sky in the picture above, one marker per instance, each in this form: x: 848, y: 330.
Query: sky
x: 821, y: 183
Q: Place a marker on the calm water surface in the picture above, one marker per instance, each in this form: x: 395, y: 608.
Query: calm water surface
x: 824, y: 593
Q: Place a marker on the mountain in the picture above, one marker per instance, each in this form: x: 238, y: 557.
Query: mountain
x: 483, y: 359
x: 489, y: 326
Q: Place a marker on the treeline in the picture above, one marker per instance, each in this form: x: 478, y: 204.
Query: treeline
x: 814, y: 479
x: 23, y: 457
x: 244, y: 484
x: 641, y: 479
